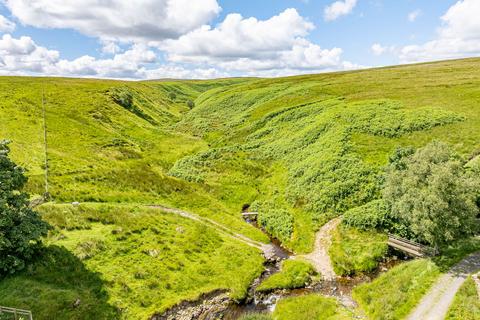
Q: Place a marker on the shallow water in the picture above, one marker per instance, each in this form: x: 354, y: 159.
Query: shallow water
x: 341, y: 288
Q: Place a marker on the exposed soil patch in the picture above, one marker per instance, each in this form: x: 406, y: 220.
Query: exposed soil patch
x: 319, y: 256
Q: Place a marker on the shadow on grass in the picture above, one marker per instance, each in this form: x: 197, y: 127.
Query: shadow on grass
x: 57, y: 286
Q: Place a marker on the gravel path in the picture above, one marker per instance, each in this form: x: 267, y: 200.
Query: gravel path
x: 319, y: 256
x: 435, y: 304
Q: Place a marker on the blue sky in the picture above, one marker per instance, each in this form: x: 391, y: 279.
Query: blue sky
x: 215, y: 38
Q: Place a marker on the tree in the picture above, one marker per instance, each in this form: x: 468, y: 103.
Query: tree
x: 190, y: 104
x: 431, y: 194
x: 21, y: 228
x: 123, y: 97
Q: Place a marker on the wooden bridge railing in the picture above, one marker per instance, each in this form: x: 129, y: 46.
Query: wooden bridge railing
x: 17, y: 314
x: 410, y: 247
x: 250, y: 215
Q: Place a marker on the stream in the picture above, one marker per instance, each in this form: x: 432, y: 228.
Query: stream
x: 217, y: 305
x: 340, y: 288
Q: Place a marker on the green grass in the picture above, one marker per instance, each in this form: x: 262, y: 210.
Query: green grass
x: 310, y: 307
x: 309, y: 147
x: 456, y: 251
x: 395, y: 293
x: 330, y: 133
x: 50, y: 286
x: 293, y: 274
x: 143, y: 261
x: 466, y: 305
x: 354, y: 251
x: 256, y: 316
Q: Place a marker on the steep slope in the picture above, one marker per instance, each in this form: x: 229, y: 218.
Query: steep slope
x: 101, y: 151
x: 315, y: 144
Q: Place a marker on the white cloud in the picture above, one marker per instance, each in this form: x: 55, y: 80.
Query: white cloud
x: 378, y: 49
x: 237, y: 46
x: 459, y: 36
x: 254, y: 46
x: 6, y: 25
x: 110, y: 47
x: 122, y: 20
x: 412, y: 16
x: 237, y: 37
x: 23, y: 56
x: 338, y: 9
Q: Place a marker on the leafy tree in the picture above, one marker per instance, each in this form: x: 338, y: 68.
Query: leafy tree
x: 431, y: 194
x: 20, y: 227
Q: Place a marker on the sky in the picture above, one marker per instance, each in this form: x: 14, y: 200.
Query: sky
x: 155, y: 39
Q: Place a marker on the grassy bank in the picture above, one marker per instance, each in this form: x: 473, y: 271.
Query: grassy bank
x: 466, y: 305
x: 137, y: 261
x: 395, y: 293
x: 293, y: 274
x: 310, y: 307
x: 354, y: 251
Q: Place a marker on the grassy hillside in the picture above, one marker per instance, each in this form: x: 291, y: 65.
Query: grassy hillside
x: 317, y: 143
x: 128, y: 262
x: 298, y: 150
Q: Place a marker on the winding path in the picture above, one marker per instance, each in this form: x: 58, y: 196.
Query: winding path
x: 267, y: 249
x: 435, y: 304
x: 319, y: 256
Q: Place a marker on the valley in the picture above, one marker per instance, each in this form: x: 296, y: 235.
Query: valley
x: 148, y: 180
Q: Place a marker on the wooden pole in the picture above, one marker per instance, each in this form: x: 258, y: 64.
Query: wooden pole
x: 46, y: 195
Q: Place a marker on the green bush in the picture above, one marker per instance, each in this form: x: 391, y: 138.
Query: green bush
x: 21, y: 228
x: 354, y: 251
x: 432, y: 195
x: 294, y: 274
x: 190, y: 104
x: 277, y: 221
x: 123, y: 97
x: 371, y: 216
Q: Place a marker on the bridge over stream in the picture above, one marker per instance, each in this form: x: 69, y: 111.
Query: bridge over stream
x: 409, y: 247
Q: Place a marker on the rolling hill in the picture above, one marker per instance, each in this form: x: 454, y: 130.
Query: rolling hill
x: 299, y: 150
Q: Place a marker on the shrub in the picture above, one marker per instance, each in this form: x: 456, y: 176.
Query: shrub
x: 432, y: 195
x: 190, y: 104
x: 373, y: 215
x: 278, y: 222
x: 172, y: 96
x: 21, y: 228
x: 294, y: 274
x: 123, y: 97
